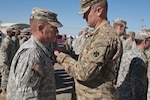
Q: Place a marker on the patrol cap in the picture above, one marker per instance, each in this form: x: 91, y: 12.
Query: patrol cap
x: 16, y: 27
x: 46, y: 15
x: 142, y: 35
x: 25, y: 30
x: 86, y: 4
x: 86, y: 28
x: 120, y: 21
x: 9, y: 29
x: 131, y: 32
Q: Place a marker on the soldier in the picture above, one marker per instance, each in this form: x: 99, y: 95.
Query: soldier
x: 32, y: 71
x: 120, y: 26
x: 7, y: 52
x: 24, y: 36
x: 79, y: 42
x: 148, y: 73
x: 16, y: 39
x: 94, y: 72
x: 129, y: 42
x: 132, y: 78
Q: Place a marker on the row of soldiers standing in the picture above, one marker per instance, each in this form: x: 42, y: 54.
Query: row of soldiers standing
x: 132, y: 79
x: 9, y: 45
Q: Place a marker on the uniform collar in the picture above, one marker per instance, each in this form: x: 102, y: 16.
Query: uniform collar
x: 99, y: 27
x: 41, y: 45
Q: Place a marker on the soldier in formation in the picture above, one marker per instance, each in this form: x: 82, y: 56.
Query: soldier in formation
x: 129, y: 42
x: 132, y: 77
x: 16, y: 39
x: 79, y: 42
x: 7, y: 52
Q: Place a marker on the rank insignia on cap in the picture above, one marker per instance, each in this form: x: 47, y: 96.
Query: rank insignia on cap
x: 96, y: 54
x: 38, y: 69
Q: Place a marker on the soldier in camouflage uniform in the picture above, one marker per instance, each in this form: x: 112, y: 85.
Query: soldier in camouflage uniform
x: 129, y: 42
x: 94, y: 70
x: 82, y: 36
x: 120, y: 26
x: 23, y: 37
x: 148, y: 73
x: 7, y: 52
x: 132, y: 78
x: 32, y: 72
x: 16, y: 39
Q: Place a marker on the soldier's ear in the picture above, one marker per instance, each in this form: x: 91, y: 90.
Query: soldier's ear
x: 144, y: 42
x: 40, y: 28
x: 99, y: 11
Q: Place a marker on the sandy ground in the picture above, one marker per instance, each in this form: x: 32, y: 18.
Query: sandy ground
x: 64, y: 85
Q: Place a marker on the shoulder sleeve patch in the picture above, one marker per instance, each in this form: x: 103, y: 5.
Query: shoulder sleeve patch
x: 38, y: 69
x: 97, y: 54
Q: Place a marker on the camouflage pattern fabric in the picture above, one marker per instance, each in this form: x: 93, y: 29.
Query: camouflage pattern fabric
x: 78, y: 46
x: 16, y: 42
x: 128, y: 44
x: 6, y: 55
x: 94, y: 71
x: 148, y: 73
x: 132, y: 78
x: 32, y: 74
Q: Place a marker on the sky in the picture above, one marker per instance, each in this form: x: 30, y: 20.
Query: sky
x: 135, y: 12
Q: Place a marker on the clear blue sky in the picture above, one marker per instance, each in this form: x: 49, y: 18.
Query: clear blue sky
x: 18, y: 11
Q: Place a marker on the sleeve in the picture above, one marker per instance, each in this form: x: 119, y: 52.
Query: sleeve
x: 138, y: 70
x: 29, y: 68
x: 5, y: 52
x: 90, y: 61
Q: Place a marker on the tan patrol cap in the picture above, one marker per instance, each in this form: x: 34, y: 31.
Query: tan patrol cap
x: 120, y: 21
x: 47, y: 15
x: 142, y: 35
x: 131, y: 32
x: 9, y: 29
x: 86, y: 4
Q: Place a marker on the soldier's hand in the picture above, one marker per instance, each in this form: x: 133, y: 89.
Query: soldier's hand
x: 56, y: 52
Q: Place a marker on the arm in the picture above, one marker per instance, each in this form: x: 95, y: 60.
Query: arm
x: 5, y: 52
x: 24, y: 69
x: 90, y: 62
x: 138, y: 78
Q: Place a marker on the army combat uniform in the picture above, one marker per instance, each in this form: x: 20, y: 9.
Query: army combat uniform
x: 132, y: 82
x: 94, y: 71
x: 6, y: 55
x: 129, y: 44
x: 32, y: 73
x: 16, y: 42
x: 148, y: 73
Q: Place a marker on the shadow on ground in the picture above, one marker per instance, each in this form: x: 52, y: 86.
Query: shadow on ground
x: 64, y: 82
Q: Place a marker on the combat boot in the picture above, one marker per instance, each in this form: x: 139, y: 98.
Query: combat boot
x: 3, y: 93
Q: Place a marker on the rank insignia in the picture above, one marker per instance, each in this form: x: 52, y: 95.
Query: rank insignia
x: 96, y: 54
